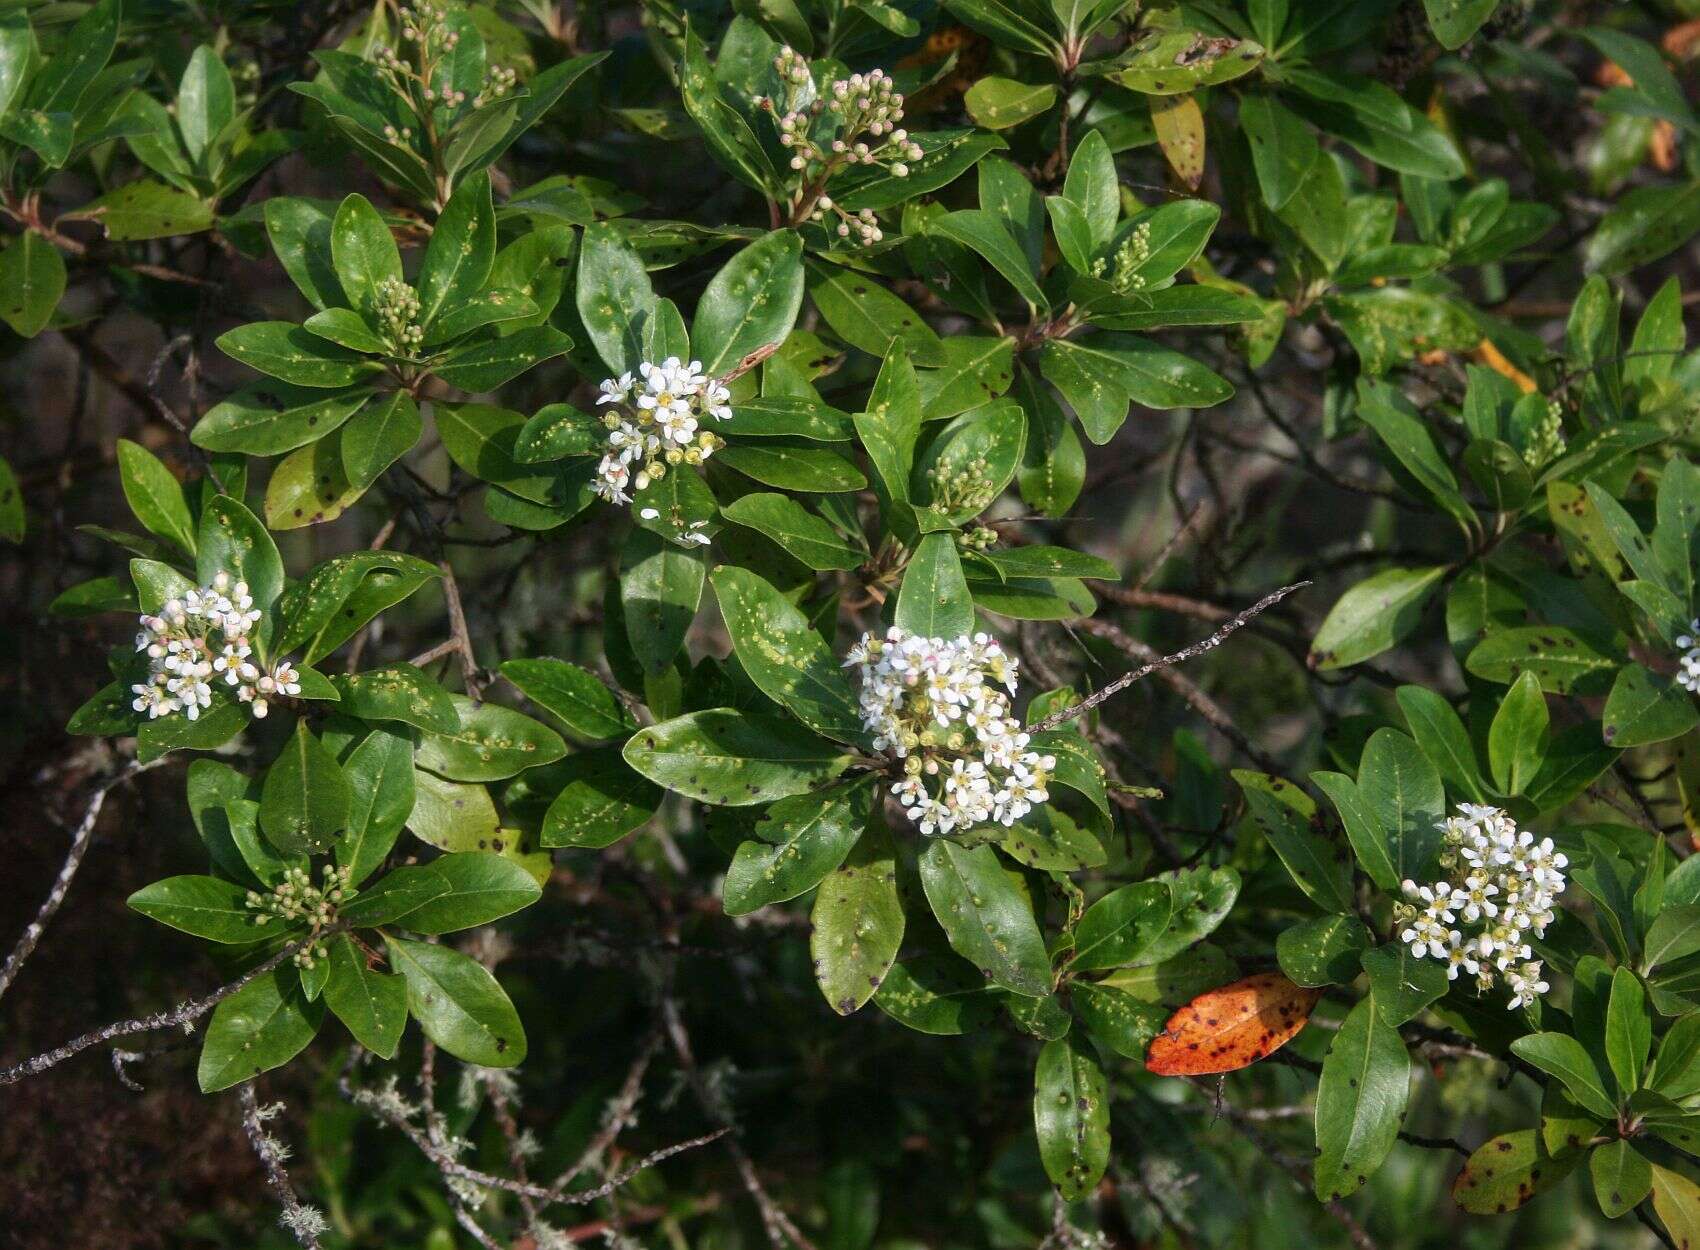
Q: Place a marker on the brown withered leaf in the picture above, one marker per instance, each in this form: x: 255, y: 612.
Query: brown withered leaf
x: 1232, y: 1026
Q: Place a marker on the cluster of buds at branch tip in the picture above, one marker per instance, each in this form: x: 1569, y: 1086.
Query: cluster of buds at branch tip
x: 398, y: 316
x: 296, y: 899
x: 850, y: 121
x: 1123, y: 271
x: 200, y: 639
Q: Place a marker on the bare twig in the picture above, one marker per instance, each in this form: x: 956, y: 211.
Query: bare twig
x: 1179, y: 657
x: 80, y: 841
x: 778, y: 1225
x: 1184, y: 686
x: 304, y: 1222
x: 180, y: 1015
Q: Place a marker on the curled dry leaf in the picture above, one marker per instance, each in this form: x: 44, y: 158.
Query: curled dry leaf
x: 1232, y: 1026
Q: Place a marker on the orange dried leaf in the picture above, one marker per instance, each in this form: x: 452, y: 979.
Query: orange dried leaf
x: 1232, y: 1026
x: 1494, y: 359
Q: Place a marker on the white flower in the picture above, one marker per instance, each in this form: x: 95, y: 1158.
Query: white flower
x: 656, y: 425
x: 1503, y: 879
x: 936, y: 703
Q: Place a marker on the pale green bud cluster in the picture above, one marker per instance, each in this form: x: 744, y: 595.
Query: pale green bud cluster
x: 296, y: 899
x: 1134, y: 251
x: 963, y: 487
x: 1546, y: 440
x: 398, y: 316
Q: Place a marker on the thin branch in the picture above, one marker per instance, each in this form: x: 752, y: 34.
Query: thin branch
x: 1184, y: 686
x: 181, y: 1015
x: 1186, y: 653
x: 80, y: 842
x: 304, y: 1222
x: 777, y: 1224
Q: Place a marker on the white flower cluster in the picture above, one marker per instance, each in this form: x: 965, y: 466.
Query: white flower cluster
x: 1499, y: 878
x: 1689, y: 677
x: 202, y: 638
x: 655, y: 423
x: 853, y: 122
x: 936, y: 704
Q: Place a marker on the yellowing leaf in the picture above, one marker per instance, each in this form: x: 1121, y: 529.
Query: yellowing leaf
x: 1180, y: 132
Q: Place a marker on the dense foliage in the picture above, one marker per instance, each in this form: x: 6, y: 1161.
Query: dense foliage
x: 848, y: 624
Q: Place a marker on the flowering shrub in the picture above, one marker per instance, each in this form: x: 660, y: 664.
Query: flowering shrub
x: 857, y: 624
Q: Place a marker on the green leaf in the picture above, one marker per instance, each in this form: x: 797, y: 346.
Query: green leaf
x: 207, y: 907
x: 988, y: 921
x: 459, y: 1004
x: 372, y: 1004
x: 397, y: 692
x: 155, y: 495
x: 1676, y: 1199
x: 1121, y: 927
x: 379, y: 435
x: 1562, y: 1056
x: 751, y: 302
x: 1360, y: 1101
x: 1454, y: 21
x: 1282, y: 147
x: 660, y: 588
x: 1674, y: 934
x: 1403, y: 788
x: 1645, y: 707
x: 61, y: 83
x: 1440, y: 733
x: 984, y: 233
x: 487, y: 362
x: 999, y: 103
x: 267, y: 418
x: 1287, y: 817
x: 1374, y: 616
x: 785, y: 656
x: 1175, y: 61
x: 1643, y: 225
x: 857, y: 922
x: 1071, y: 1116
x: 797, y: 843
x: 614, y: 297
x: 380, y: 779
x: 146, y: 209
x: 933, y: 600
x: 365, y: 254
x: 1402, y: 984
x: 601, y: 800
x: 284, y: 350
x: 1518, y: 737
x: 572, y: 694
x: 1373, y: 119
x: 232, y: 540
x: 937, y: 994
x: 1508, y: 1170
x: 1622, y: 1177
x: 1323, y: 951
x: 480, y: 887
x: 1564, y: 661
x: 32, y: 281
x: 1363, y: 826
x: 800, y: 532
x: 866, y: 315
x: 491, y: 743
x: 805, y: 469
x: 206, y: 102
x: 305, y: 801
x: 732, y: 758
x: 462, y: 249
x: 261, y: 1026
x: 1629, y: 1030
